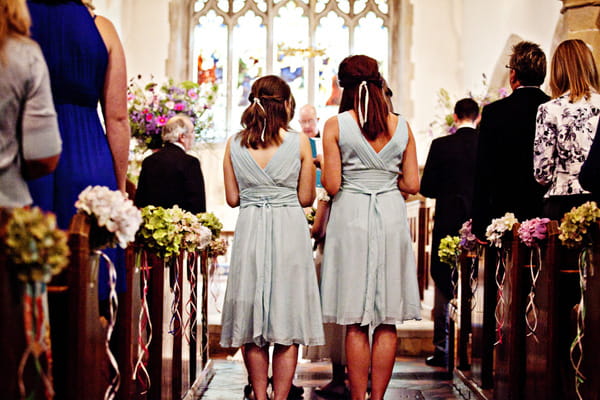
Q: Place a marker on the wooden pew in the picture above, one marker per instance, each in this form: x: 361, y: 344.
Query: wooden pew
x: 509, y: 359
x: 424, y: 243
x: 78, y: 339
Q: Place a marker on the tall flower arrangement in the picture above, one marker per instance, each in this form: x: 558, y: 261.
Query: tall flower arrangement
x: 151, y: 105
x: 443, y: 122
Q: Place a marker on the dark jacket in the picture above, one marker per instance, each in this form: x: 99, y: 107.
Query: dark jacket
x: 504, y: 179
x: 171, y: 177
x: 448, y: 178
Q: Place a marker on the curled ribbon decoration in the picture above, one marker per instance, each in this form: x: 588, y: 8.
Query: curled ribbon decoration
x: 500, y: 277
x: 140, y: 372
x: 531, y: 310
x: 577, y: 344
x: 214, y: 290
x: 190, y: 306
x: 37, y: 335
x: 474, y: 278
x: 113, y: 302
x: 175, y: 323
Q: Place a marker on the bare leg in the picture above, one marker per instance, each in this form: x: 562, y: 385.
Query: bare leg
x: 358, y: 355
x: 385, y: 341
x: 285, y: 359
x: 257, y: 362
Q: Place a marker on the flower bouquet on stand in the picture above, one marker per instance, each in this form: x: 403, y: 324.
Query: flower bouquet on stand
x: 449, y: 253
x: 576, y: 233
x: 37, y: 250
x: 114, y: 221
x: 494, y: 233
x: 531, y: 233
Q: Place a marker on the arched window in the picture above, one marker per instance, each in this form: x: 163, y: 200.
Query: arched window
x: 232, y: 42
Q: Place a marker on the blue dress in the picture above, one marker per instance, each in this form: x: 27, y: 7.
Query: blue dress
x: 369, y: 273
x: 77, y: 59
x: 272, y: 293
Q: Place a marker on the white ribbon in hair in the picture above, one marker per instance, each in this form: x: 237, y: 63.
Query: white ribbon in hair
x: 363, y: 118
x: 262, y: 134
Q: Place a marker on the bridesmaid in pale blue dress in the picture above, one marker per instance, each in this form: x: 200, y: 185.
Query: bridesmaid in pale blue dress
x: 272, y: 295
x: 369, y: 275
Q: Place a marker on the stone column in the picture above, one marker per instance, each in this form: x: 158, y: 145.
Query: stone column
x: 177, y: 64
x: 581, y: 20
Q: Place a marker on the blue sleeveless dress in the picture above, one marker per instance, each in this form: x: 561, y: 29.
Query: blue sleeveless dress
x: 272, y: 294
x: 77, y: 59
x: 369, y: 273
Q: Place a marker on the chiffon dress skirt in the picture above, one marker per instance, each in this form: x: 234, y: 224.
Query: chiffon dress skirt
x: 272, y: 294
x: 77, y: 59
x: 369, y: 273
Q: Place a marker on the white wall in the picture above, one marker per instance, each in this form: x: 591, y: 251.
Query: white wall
x: 456, y: 41
x: 143, y: 26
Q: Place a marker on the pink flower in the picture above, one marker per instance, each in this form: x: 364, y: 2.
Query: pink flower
x: 533, y: 230
x: 145, y: 111
x: 192, y: 93
x: 161, y: 120
x: 130, y: 96
x: 179, y: 107
x: 149, y: 117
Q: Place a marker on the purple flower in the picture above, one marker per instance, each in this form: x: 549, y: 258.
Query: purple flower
x: 533, y: 231
x: 468, y: 241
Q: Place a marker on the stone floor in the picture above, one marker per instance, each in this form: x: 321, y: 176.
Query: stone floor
x: 411, y: 379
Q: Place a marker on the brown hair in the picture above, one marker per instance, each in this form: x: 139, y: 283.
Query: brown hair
x: 573, y: 69
x: 529, y: 63
x: 353, y: 71
x: 267, y: 112
x: 14, y: 21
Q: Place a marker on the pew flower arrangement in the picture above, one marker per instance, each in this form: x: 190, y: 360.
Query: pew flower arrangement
x: 36, y: 247
x: 449, y: 250
x: 217, y: 246
x: 38, y: 250
x: 533, y: 231
x: 195, y: 236
x: 115, y: 219
x: 468, y: 241
x: 575, y: 225
x: 495, y: 231
x: 160, y: 232
x: 151, y: 105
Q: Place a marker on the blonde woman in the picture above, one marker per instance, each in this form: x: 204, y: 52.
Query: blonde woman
x: 565, y: 129
x: 29, y: 140
x: 566, y: 126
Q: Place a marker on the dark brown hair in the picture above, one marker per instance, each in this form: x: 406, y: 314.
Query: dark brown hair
x: 267, y: 110
x: 352, y: 72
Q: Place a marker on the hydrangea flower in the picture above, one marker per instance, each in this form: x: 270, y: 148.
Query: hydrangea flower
x: 496, y: 229
x: 534, y: 230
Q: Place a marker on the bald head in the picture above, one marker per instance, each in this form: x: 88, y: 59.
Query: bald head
x: 308, y: 120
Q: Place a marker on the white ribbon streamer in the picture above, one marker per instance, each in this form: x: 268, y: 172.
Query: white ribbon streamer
x: 262, y: 134
x: 362, y: 119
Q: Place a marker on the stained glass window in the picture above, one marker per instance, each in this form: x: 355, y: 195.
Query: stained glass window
x: 303, y: 41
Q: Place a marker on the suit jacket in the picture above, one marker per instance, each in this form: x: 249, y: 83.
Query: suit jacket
x: 589, y: 176
x: 171, y: 177
x: 504, y: 179
x: 448, y: 177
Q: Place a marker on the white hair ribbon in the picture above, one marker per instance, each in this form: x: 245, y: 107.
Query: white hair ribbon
x: 363, y: 118
x: 262, y: 134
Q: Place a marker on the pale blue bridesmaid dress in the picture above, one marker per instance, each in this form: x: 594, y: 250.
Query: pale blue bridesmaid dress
x: 272, y: 294
x: 369, y: 274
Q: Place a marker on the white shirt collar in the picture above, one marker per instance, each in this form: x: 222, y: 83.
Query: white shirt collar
x: 466, y: 125
x: 179, y: 145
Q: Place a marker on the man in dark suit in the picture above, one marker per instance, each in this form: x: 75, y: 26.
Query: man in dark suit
x: 170, y: 176
x: 448, y: 178
x: 504, y: 179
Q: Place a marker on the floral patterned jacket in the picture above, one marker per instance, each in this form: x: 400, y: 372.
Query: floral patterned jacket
x: 563, y: 137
